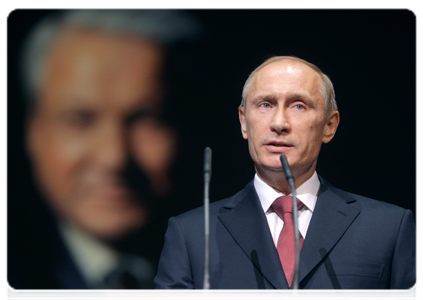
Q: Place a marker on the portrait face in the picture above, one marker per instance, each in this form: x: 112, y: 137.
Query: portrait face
x: 285, y: 113
x: 96, y: 110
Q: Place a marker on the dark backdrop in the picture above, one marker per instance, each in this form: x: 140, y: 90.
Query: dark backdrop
x: 370, y: 56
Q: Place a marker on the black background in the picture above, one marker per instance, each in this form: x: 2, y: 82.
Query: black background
x: 370, y: 56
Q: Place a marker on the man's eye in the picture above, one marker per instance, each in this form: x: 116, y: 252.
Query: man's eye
x: 140, y: 116
x: 80, y: 119
x: 299, y: 106
x: 265, y: 105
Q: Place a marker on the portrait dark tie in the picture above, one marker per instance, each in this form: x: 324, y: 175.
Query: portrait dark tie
x: 286, y: 242
x: 132, y: 272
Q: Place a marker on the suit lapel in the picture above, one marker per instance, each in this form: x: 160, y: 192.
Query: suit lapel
x: 331, y: 218
x: 246, y: 222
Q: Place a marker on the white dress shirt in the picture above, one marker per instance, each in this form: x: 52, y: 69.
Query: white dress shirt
x: 306, y: 193
x: 93, y: 258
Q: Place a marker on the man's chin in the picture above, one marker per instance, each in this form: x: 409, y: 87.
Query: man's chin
x: 273, y: 164
x: 114, y: 230
x: 110, y: 222
x: 269, y: 170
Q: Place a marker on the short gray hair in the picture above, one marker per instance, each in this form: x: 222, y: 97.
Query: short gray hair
x: 164, y: 27
x: 327, y: 89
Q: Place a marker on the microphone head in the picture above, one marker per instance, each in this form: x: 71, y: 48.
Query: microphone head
x: 286, y: 168
x: 207, y: 160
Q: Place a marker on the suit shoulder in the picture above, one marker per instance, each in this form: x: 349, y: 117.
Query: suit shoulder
x: 379, y: 216
x: 216, y: 206
x: 365, y: 203
x: 382, y: 212
x: 369, y: 203
x: 198, y: 213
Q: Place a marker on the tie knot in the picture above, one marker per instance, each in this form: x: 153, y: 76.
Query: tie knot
x: 284, y: 204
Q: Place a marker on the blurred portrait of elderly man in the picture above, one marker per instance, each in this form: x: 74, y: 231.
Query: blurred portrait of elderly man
x: 100, y: 148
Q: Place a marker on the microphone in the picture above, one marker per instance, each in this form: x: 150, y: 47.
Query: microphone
x: 291, y: 182
x: 287, y: 171
x: 207, y: 176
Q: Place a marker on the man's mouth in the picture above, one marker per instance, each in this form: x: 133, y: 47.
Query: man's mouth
x: 276, y: 146
x: 279, y: 144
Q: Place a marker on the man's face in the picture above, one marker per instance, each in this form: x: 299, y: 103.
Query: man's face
x: 285, y: 113
x: 95, y: 110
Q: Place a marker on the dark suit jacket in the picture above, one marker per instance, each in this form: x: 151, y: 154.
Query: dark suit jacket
x: 352, y: 242
x: 44, y: 261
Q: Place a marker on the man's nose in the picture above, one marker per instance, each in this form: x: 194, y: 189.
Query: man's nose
x: 112, y: 148
x: 280, y: 122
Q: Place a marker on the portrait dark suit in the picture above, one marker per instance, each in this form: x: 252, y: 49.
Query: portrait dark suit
x: 38, y: 257
x: 352, y: 242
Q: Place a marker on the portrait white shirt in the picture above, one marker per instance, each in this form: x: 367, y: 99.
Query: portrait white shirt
x: 306, y: 193
x: 94, y: 259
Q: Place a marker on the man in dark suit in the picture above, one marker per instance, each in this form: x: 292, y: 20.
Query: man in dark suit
x: 348, y: 241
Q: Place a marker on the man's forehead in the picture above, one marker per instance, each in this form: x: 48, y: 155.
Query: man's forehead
x: 288, y: 67
x: 285, y: 72
x: 85, y: 75
x: 76, y: 41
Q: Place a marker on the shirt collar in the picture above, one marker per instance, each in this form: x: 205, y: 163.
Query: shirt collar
x: 94, y: 258
x: 307, y: 192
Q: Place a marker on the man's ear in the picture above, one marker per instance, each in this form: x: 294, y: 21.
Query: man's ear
x: 241, y: 112
x: 332, y: 123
